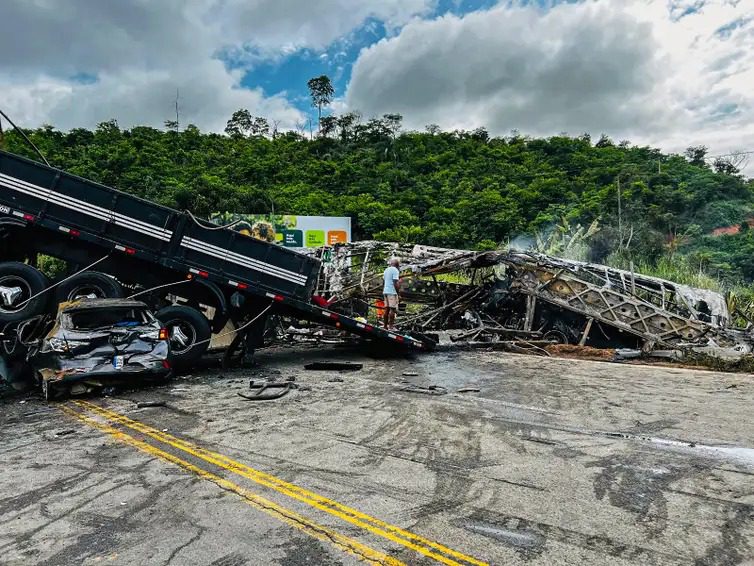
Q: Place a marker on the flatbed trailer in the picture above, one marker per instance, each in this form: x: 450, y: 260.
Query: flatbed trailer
x: 144, y: 245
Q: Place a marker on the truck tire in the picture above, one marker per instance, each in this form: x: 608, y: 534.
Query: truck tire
x: 30, y: 281
x: 189, y: 333
x: 89, y: 283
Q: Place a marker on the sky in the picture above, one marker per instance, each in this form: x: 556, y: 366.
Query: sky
x: 667, y: 73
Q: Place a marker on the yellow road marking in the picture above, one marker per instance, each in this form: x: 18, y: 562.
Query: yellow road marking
x: 279, y: 512
x: 375, y: 526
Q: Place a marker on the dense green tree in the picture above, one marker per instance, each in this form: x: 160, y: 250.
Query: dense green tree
x: 696, y: 155
x: 327, y: 126
x: 239, y: 124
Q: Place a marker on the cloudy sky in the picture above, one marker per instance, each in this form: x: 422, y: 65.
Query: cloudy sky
x: 670, y: 73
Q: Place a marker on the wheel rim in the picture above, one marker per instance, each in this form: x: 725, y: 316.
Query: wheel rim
x: 84, y: 290
x: 15, y: 281
x: 177, y: 344
x: 556, y: 335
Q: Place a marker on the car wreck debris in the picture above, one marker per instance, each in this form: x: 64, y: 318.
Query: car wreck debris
x: 529, y: 300
x: 94, y: 343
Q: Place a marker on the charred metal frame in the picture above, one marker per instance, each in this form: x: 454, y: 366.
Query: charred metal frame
x: 448, y: 288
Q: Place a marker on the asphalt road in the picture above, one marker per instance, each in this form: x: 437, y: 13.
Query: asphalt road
x: 550, y: 462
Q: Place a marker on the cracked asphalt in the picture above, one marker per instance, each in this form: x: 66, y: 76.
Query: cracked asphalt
x: 552, y: 461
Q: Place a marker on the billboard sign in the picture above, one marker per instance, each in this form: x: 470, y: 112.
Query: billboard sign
x: 290, y: 230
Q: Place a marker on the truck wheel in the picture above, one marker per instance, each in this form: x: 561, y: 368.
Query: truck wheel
x: 89, y: 283
x: 18, y: 283
x: 189, y: 333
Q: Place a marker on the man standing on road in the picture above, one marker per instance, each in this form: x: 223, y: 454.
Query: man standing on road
x: 391, y: 292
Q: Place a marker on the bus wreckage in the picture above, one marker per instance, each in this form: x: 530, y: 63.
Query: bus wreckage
x: 534, y: 299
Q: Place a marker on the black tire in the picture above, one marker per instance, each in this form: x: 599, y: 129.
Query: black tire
x: 89, y: 283
x: 194, y: 326
x: 31, y: 281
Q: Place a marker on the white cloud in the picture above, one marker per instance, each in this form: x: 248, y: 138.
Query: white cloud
x: 208, y: 97
x: 141, y: 51
x: 303, y: 23
x: 672, y: 74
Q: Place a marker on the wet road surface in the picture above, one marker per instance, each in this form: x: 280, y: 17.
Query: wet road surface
x: 550, y: 462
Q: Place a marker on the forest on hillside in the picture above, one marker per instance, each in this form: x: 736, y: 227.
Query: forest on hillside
x: 461, y: 189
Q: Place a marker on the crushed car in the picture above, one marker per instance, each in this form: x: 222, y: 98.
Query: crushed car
x: 97, y: 343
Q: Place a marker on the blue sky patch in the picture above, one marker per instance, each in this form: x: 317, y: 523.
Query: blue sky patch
x: 287, y: 74
x: 728, y: 29
x: 681, y: 9
x: 290, y: 74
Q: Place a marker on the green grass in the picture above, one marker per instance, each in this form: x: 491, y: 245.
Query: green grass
x: 677, y: 269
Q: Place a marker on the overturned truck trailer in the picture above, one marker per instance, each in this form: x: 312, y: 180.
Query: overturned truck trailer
x: 497, y: 294
x: 198, y: 277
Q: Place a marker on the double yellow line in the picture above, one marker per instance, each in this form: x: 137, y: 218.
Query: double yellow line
x: 375, y: 526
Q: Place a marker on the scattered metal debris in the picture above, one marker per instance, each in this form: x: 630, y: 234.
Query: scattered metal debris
x: 430, y: 390
x: 524, y: 301
x: 334, y: 366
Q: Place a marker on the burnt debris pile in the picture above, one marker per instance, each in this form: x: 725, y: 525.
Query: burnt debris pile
x: 531, y: 299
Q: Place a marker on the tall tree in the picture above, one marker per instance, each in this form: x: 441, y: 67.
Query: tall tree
x: 259, y: 126
x: 346, y: 124
x: 696, y: 155
x: 725, y: 166
x: 321, y: 91
x: 392, y: 123
x: 239, y: 124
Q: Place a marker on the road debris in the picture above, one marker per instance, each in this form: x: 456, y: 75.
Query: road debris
x: 65, y: 433
x: 334, y: 366
x: 145, y: 404
x: 268, y: 390
x: 429, y: 390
